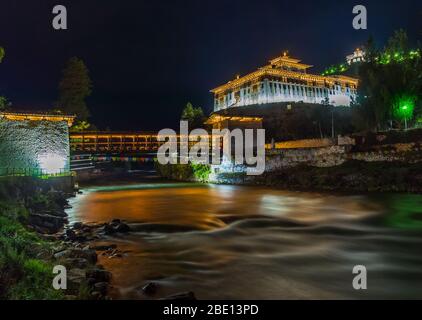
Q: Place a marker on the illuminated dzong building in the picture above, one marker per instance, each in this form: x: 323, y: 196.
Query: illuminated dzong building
x: 285, y: 80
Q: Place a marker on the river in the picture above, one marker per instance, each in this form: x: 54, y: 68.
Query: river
x: 239, y: 242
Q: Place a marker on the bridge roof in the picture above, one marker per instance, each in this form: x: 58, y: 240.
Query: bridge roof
x: 37, y: 116
x: 100, y: 134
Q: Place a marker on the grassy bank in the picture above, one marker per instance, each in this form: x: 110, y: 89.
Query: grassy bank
x: 25, y: 271
x: 35, y: 237
x: 25, y: 257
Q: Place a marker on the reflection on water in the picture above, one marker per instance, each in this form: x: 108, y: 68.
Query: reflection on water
x: 234, y: 242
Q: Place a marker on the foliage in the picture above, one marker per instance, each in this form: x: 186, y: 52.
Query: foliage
x: 195, y: 116
x: 3, y: 101
x: 187, y: 172
x: 201, y: 171
x: 387, y: 77
x: 22, y: 274
x: 388, y: 138
x: 75, y: 86
x: 80, y: 126
x: 25, y: 265
x: 336, y: 69
x: 4, y: 104
x: 305, y: 121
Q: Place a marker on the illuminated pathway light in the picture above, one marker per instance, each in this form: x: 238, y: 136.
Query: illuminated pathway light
x: 403, y: 108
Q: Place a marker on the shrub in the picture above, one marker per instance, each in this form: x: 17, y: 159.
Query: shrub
x: 192, y: 171
x: 201, y: 171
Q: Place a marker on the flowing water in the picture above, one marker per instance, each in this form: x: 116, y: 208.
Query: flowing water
x: 238, y: 242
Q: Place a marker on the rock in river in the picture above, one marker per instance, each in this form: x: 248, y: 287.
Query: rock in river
x: 181, y: 296
x: 150, y: 288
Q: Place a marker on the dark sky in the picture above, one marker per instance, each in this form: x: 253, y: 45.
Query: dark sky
x: 148, y: 58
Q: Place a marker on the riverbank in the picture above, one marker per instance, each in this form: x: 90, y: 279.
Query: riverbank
x: 114, y: 226
x: 350, y: 176
x: 34, y: 238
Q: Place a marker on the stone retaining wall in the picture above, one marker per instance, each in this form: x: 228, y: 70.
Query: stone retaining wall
x: 34, y: 145
x: 318, y: 157
x: 325, y: 157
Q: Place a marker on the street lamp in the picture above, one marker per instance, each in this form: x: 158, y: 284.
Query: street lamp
x: 404, y: 108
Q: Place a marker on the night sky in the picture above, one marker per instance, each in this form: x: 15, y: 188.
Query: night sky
x: 148, y: 58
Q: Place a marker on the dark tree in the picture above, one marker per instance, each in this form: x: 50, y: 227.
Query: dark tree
x: 305, y: 121
x: 3, y: 101
x: 195, y: 116
x: 390, y: 83
x: 75, y: 86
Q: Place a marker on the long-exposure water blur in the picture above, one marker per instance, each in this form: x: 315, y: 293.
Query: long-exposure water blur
x: 239, y: 242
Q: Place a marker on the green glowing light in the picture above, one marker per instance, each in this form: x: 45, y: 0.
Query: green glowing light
x: 403, y: 107
x: 386, y: 58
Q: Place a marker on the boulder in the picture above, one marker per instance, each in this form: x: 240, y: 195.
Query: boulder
x: 122, y: 228
x: 75, y: 278
x: 90, y: 281
x: 95, y: 295
x: 104, y: 247
x: 116, y: 227
x: 101, y: 287
x: 108, y: 229
x: 89, y: 255
x: 61, y: 254
x: 77, y: 225
x: 181, y: 296
x: 70, y: 235
x: 57, y: 213
x: 80, y: 263
x: 86, y: 228
x: 99, y: 275
x: 150, y: 288
x: 115, y: 221
x: 52, y: 224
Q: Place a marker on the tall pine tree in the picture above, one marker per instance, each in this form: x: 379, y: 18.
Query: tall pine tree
x: 75, y: 86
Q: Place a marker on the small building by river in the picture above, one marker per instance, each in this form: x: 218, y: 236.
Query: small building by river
x: 34, y: 144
